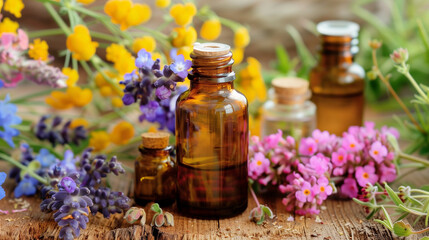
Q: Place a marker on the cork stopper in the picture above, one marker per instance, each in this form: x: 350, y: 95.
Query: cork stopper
x: 291, y: 90
x: 211, y: 49
x: 156, y: 140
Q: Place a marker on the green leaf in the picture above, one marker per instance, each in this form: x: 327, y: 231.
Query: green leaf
x: 304, y: 54
x: 283, y: 61
x: 403, y: 216
x: 424, y: 238
x: 366, y: 204
x: 155, y: 207
x: 424, y: 37
x: 372, y: 213
x: 384, y: 223
x: 396, y: 200
x: 261, y: 220
x: 402, y: 229
x: 267, y: 211
x: 415, y: 201
x: 410, y: 210
x: 388, y: 219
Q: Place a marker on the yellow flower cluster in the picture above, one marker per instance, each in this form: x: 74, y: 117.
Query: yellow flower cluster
x: 162, y: 3
x: 146, y: 42
x: 72, y: 75
x: 123, y: 61
x: 211, y: 29
x: 185, y: 37
x: 126, y: 13
x: 8, y: 26
x: 73, y: 97
x: 38, y: 50
x: 183, y: 14
x: 81, y: 44
x: 86, y: 2
x: 107, y: 90
x: 121, y: 134
x: 13, y: 6
x: 253, y: 87
x: 241, y: 40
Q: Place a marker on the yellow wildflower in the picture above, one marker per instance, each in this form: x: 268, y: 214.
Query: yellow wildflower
x: 127, y: 14
x: 8, y: 26
x: 79, y: 122
x: 105, y: 88
x: 122, y: 133
x: 81, y: 44
x: 123, y: 61
x: 251, y: 82
x: 184, y: 37
x: 152, y: 129
x: 14, y: 6
x: 86, y: 2
x: 117, y: 102
x: 80, y: 97
x: 211, y: 29
x: 99, y: 140
x: 241, y: 37
x: 185, y: 51
x: 72, y: 75
x: 1, y: 4
x: 183, y: 14
x: 38, y: 50
x: 59, y: 100
x: 73, y: 97
x: 237, y: 55
x: 162, y: 3
x: 146, y: 42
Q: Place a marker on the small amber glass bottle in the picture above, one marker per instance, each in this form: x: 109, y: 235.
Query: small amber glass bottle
x: 212, y: 138
x: 289, y: 109
x: 155, y: 171
x: 336, y: 82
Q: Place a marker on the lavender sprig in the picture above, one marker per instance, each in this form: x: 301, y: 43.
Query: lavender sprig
x: 57, y: 134
x: 155, y: 89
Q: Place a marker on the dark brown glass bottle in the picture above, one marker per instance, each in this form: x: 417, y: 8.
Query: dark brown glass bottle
x: 155, y: 171
x: 336, y: 82
x: 212, y: 138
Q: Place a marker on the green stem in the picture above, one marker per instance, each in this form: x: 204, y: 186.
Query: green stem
x: 57, y: 18
x: 95, y: 61
x: 414, y: 159
x: 416, y: 190
x: 45, y: 32
x: 30, y: 96
x: 67, y: 61
x: 86, y: 67
x: 23, y: 167
x: 413, y: 82
x: 104, y: 36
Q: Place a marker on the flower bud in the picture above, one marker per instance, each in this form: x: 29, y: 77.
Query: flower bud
x: 399, y: 56
x: 375, y: 44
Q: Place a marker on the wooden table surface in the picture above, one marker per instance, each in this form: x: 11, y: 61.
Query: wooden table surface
x: 341, y: 219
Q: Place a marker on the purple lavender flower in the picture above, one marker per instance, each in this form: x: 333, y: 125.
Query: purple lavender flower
x: 180, y: 66
x: 108, y: 202
x: 163, y: 93
x: 68, y: 184
x: 144, y: 59
x: 56, y: 134
x: 149, y: 111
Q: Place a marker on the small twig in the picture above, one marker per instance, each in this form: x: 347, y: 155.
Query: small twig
x: 392, y: 91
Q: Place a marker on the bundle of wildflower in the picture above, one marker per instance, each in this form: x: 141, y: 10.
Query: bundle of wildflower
x: 155, y: 89
x: 311, y: 171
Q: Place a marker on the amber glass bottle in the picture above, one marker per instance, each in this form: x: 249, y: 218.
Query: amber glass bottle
x: 212, y: 138
x: 336, y: 81
x: 155, y: 171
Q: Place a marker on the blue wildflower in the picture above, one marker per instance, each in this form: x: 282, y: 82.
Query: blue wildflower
x: 69, y: 162
x: 8, y: 118
x: 26, y: 187
x: 144, y: 59
x: 180, y: 66
x: 2, y: 179
x: 45, y: 158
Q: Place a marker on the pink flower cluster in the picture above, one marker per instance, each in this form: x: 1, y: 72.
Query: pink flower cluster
x: 306, y: 173
x: 15, y: 67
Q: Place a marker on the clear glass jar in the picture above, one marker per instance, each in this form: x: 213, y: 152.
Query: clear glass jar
x: 336, y: 82
x: 212, y: 138
x: 155, y: 171
x: 289, y: 109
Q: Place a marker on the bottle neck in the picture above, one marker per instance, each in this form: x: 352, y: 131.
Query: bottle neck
x: 212, y: 69
x: 210, y: 86
x: 336, y: 51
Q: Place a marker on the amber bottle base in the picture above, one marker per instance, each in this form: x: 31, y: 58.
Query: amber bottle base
x: 204, y: 213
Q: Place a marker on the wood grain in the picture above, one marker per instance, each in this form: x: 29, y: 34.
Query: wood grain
x: 342, y: 219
